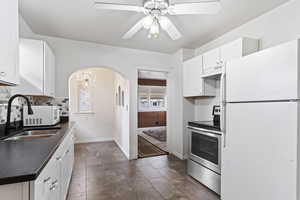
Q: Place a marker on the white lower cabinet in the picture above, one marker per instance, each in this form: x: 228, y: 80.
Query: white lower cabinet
x: 18, y: 191
x: 66, y: 167
x: 53, y: 182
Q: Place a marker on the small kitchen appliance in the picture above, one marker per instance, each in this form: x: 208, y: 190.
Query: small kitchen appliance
x: 42, y: 116
x: 205, y: 143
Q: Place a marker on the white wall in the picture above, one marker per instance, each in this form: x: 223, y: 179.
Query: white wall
x: 122, y: 132
x: 74, y: 55
x: 100, y: 124
x: 273, y: 28
x: 204, y: 106
x: 277, y: 26
x: 180, y: 110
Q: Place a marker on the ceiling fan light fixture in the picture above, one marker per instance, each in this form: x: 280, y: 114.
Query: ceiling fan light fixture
x: 156, y: 14
x: 148, y: 21
x: 154, y: 29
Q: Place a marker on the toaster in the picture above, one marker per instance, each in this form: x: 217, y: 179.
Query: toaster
x: 42, y: 116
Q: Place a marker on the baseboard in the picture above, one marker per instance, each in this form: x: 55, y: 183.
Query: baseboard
x: 186, y: 156
x: 120, y: 146
x: 179, y: 155
x: 93, y: 140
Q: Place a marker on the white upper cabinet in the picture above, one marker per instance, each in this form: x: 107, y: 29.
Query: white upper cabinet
x: 214, y: 60
x: 9, y: 40
x: 193, y: 84
x: 37, y: 69
x: 211, y: 61
x: 49, y: 75
x: 238, y: 48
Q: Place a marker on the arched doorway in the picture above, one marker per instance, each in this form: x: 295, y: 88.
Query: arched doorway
x: 99, y: 105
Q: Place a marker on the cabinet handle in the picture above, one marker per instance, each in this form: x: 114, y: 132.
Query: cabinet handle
x: 59, y: 158
x: 55, y: 182
x: 47, y: 180
x: 3, y: 74
x: 52, y: 188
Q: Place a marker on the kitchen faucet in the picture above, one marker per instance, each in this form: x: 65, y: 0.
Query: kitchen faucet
x: 30, y: 111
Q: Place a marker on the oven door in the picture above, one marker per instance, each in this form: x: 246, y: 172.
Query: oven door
x: 205, y: 149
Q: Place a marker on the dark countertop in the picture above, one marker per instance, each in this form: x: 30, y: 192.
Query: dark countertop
x: 23, y: 160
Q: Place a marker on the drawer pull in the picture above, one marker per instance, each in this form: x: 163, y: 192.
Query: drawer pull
x: 52, y: 188
x: 2, y: 74
x: 47, y: 180
x: 55, y: 183
x: 59, y: 158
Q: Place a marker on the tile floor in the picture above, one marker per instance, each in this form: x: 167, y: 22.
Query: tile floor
x: 102, y: 172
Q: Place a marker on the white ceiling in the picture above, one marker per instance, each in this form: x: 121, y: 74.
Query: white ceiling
x: 79, y: 20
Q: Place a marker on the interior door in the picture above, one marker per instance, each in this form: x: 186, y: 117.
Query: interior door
x: 260, y: 155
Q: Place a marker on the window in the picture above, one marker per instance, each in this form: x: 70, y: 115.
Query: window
x: 84, y: 101
x: 119, y: 95
x: 157, y: 101
x: 123, y: 99
x: 117, y: 99
x: 152, y: 97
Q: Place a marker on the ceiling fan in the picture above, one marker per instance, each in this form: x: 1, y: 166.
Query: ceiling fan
x: 156, y: 12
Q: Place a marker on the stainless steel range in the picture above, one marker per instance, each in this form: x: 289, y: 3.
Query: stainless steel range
x: 205, y: 144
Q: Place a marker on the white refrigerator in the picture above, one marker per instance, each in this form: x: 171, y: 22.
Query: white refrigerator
x: 261, y: 141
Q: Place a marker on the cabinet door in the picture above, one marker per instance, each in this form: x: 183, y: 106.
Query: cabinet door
x: 231, y: 50
x: 41, y: 186
x: 49, y: 75
x: 9, y: 40
x: 67, y: 166
x: 17, y: 191
x: 55, y: 181
x: 192, y: 82
x: 31, y: 68
x: 211, y: 60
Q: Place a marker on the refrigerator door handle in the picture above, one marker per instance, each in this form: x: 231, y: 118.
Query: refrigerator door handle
x: 223, y: 104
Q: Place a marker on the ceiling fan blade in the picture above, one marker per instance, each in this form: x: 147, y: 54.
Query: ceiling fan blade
x: 136, y: 28
x: 114, y: 6
x: 205, y: 7
x: 170, y: 28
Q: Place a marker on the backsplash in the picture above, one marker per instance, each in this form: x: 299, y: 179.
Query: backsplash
x: 5, y: 93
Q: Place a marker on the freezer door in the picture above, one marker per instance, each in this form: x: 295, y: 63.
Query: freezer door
x: 259, y: 160
x: 271, y: 74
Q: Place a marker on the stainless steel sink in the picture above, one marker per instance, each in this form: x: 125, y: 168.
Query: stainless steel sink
x: 33, y: 135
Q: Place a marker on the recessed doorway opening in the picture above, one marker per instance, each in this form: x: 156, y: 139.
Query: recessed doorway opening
x: 152, y: 113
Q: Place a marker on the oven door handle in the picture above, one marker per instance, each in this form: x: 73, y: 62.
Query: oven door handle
x: 206, y: 133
